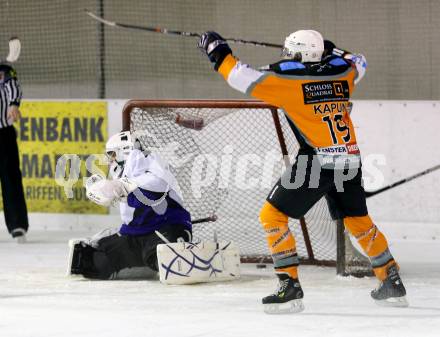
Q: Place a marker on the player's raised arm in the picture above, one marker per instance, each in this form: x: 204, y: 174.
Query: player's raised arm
x: 358, y: 60
x: 240, y: 76
x: 360, y: 63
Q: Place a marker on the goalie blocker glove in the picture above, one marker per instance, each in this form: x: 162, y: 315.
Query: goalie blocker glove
x: 215, y: 47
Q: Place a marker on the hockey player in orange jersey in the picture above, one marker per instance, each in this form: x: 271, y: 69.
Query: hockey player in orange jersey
x: 314, y: 93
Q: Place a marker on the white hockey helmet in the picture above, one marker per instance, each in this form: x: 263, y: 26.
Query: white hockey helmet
x: 119, y: 146
x: 304, y: 45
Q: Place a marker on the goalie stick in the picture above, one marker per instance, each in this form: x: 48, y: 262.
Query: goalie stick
x: 175, y: 32
x: 402, y: 181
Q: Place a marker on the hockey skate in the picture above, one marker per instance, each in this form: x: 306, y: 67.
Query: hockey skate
x: 19, y: 235
x: 390, y: 292
x: 286, y: 299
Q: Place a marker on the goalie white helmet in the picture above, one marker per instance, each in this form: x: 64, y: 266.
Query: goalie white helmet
x: 304, y: 46
x: 119, y: 146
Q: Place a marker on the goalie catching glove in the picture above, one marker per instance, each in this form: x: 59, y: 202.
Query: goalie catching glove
x: 215, y: 47
x: 108, y: 192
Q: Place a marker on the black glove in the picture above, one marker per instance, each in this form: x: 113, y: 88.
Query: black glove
x: 328, y: 48
x: 331, y: 49
x: 213, y: 45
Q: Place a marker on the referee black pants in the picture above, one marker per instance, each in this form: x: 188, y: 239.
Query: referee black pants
x: 14, y: 204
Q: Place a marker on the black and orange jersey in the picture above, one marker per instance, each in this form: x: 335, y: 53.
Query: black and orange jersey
x: 313, y: 96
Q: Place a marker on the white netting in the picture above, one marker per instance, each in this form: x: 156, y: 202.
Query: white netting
x: 246, y: 138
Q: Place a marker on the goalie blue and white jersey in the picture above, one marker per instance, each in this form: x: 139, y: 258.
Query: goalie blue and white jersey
x: 156, y: 202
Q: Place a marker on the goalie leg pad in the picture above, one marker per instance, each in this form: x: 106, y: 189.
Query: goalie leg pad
x: 81, y: 259
x: 109, y: 256
x: 171, y: 233
x: 188, y: 263
x: 115, y: 253
x: 105, y: 259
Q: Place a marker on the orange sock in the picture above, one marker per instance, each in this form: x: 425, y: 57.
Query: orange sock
x: 280, y: 240
x: 373, y: 242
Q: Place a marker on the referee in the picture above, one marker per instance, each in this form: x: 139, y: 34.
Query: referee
x: 14, y: 204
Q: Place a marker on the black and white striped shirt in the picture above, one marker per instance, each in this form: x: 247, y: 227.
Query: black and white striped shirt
x: 10, y: 93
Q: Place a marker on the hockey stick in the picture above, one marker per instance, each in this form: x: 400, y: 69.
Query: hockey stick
x: 14, y: 50
x: 208, y: 219
x: 403, y: 181
x: 174, y: 32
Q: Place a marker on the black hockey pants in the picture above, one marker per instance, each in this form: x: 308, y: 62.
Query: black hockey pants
x: 117, y: 252
x: 14, y: 204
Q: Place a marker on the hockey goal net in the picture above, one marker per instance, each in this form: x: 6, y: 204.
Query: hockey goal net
x: 226, y: 156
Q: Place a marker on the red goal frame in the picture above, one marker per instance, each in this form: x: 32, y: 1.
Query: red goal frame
x: 224, y: 104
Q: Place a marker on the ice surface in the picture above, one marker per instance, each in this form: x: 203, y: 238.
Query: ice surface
x: 37, y: 299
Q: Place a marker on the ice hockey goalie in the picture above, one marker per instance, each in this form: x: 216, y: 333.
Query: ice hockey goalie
x: 153, y: 215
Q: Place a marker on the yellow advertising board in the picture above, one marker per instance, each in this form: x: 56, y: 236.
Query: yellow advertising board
x: 50, y: 130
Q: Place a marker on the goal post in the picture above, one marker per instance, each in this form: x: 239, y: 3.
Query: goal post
x: 226, y: 156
